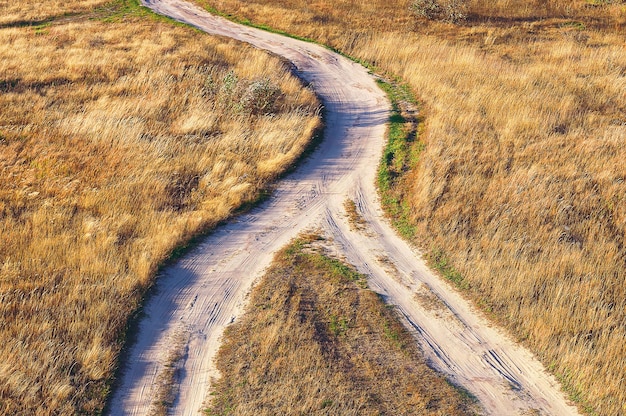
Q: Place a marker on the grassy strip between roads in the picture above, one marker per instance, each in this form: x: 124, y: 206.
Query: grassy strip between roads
x: 316, y: 340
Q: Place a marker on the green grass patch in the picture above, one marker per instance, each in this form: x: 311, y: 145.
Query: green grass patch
x: 338, y: 326
x: 401, y: 153
x: 438, y: 260
x: 120, y: 10
x: 575, y: 393
x: 574, y: 25
x: 117, y: 10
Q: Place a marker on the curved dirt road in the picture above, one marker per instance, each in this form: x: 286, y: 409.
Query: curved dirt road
x: 205, y: 291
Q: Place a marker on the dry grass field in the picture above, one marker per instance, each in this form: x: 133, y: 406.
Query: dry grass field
x: 25, y: 12
x: 521, y: 186
x: 315, y: 340
x: 119, y: 141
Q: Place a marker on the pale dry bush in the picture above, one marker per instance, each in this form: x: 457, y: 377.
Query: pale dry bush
x: 118, y: 142
x: 522, y: 181
x: 453, y: 11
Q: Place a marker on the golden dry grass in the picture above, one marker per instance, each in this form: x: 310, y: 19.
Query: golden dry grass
x: 315, y: 340
x: 522, y: 180
x: 118, y: 142
x: 25, y: 12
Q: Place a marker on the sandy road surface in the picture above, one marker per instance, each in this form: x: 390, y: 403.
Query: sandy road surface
x: 206, y: 290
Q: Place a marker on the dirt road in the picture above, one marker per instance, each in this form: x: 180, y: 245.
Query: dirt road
x: 206, y: 290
